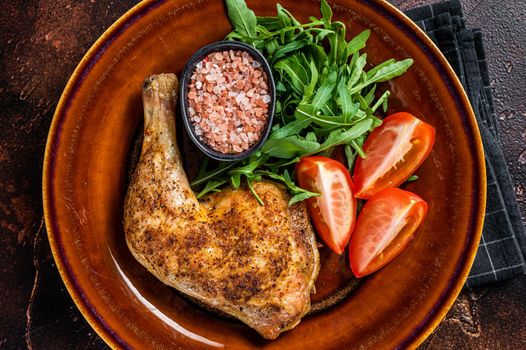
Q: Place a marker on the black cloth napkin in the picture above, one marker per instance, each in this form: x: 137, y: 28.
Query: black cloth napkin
x: 503, y: 245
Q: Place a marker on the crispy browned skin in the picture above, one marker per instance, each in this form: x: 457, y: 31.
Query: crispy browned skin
x: 256, y: 263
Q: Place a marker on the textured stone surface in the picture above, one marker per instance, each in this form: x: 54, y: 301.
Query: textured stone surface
x: 41, y: 41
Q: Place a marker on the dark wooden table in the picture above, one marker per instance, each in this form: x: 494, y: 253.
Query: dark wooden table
x: 42, y: 42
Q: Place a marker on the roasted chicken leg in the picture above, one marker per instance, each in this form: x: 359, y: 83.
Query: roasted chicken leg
x: 256, y: 263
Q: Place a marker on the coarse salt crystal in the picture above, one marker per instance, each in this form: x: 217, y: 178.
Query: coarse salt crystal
x: 240, y: 97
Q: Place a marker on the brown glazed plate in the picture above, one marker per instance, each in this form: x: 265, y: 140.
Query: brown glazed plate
x: 85, y: 175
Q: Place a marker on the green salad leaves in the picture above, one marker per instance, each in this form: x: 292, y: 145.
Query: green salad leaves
x: 326, y: 95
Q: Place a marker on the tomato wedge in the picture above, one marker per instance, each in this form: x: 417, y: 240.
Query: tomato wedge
x: 333, y: 213
x: 384, y: 227
x: 394, y: 150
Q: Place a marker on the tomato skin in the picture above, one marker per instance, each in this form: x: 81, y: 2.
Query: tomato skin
x: 384, y: 228
x: 333, y: 213
x: 394, y: 150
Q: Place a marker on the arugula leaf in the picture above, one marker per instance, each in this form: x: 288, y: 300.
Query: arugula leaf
x: 288, y: 147
x: 322, y: 33
x: 412, y: 178
x: 337, y: 43
x: 390, y: 71
x: 298, y: 192
x: 248, y: 169
x: 211, y: 186
x: 296, y: 74
x: 280, y: 164
x: 358, y: 147
x: 258, y: 198
x: 375, y: 70
x: 358, y: 42
x: 347, y: 105
x: 270, y: 23
x: 345, y: 136
x: 361, y: 61
x: 341, y: 49
x: 318, y: 55
x: 291, y: 128
x: 350, y: 156
x: 324, y: 92
x: 293, y: 20
x: 220, y: 170
x: 382, y: 101
x: 235, y: 180
x: 302, y: 196
x: 308, y: 112
x: 326, y: 12
x: 309, y: 89
x: 311, y: 136
x: 290, y: 47
x: 370, y: 96
x: 387, y: 72
x: 280, y: 87
x: 271, y: 46
x: 242, y: 18
x: 283, y: 18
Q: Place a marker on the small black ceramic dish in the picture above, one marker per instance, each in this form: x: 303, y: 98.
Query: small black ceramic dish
x: 186, y: 75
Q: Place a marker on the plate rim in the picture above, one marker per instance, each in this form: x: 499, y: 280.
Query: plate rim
x: 456, y: 281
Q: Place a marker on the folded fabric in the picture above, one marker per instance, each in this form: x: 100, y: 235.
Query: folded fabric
x: 503, y: 245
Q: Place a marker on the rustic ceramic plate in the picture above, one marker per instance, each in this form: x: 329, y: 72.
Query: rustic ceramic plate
x: 85, y: 177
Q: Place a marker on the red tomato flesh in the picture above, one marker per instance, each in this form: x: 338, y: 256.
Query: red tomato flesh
x: 394, y: 150
x: 385, y: 225
x: 333, y: 213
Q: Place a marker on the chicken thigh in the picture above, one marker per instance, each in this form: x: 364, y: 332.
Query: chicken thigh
x: 256, y: 263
